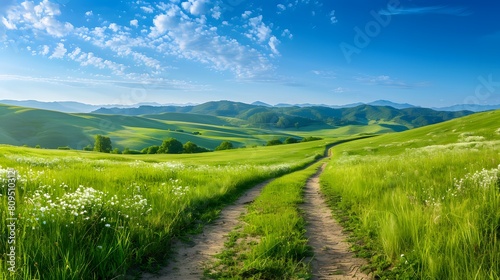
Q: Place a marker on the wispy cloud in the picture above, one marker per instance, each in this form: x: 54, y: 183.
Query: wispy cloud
x: 157, y: 84
x: 384, y: 80
x: 325, y: 74
x: 442, y: 10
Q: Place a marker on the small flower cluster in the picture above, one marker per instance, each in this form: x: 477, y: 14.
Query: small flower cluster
x: 4, y: 173
x: 176, y: 188
x: 83, y: 204
x: 482, y: 179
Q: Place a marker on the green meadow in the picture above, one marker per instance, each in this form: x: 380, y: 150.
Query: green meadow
x: 423, y: 204
x: 419, y: 204
x: 86, y: 215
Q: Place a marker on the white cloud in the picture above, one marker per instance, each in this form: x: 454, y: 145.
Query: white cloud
x: 333, y: 18
x: 147, y: 10
x: 41, y: 17
x: 216, y: 12
x: 89, y: 13
x: 258, y: 30
x: 45, y: 50
x: 192, y: 39
x: 171, y: 19
x: 114, y: 27
x: 287, y: 33
x: 8, y: 24
x: 90, y: 59
x: 273, y: 43
x: 195, y: 7
x: 443, y: 10
x: 246, y: 14
x: 281, y: 8
x: 134, y: 22
x: 74, y: 54
x: 59, y: 51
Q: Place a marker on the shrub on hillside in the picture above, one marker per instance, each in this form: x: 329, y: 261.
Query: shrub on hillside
x: 226, y: 145
x: 291, y: 140
x: 274, y: 142
x: 190, y: 148
x: 128, y: 151
x: 311, y: 138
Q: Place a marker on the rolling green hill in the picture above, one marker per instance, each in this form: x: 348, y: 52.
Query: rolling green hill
x: 207, y: 125
x: 50, y: 129
x: 466, y: 131
x: 289, y: 117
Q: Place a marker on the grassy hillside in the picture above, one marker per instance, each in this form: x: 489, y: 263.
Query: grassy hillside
x: 465, y: 131
x: 50, y: 129
x: 424, y: 203
x: 207, y: 125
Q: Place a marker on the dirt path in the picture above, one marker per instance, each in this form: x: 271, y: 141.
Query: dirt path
x: 190, y: 258
x: 332, y: 257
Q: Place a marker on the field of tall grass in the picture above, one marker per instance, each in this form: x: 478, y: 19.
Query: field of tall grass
x: 93, y: 216
x: 421, y: 209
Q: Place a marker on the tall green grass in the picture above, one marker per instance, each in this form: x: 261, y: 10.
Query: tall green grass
x: 94, y: 216
x: 424, y: 213
x: 271, y: 244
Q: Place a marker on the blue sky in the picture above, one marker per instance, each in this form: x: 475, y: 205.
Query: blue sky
x: 428, y: 53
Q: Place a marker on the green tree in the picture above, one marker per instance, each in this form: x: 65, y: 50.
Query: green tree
x: 102, y: 144
x: 171, y: 146
x: 150, y: 150
x: 291, y: 140
x: 153, y: 149
x: 115, y: 151
x: 88, y: 148
x: 274, y: 142
x: 226, y: 145
x: 190, y: 147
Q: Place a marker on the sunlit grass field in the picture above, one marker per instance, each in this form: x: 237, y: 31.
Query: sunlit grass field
x: 423, y: 204
x: 85, y: 215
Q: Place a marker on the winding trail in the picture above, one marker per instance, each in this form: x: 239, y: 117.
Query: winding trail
x: 332, y: 257
x: 189, y: 259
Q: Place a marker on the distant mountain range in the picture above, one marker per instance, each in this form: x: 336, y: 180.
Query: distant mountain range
x: 263, y: 115
x: 76, y: 107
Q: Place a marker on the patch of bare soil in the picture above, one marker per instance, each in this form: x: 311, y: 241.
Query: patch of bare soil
x: 332, y: 257
x: 189, y: 260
